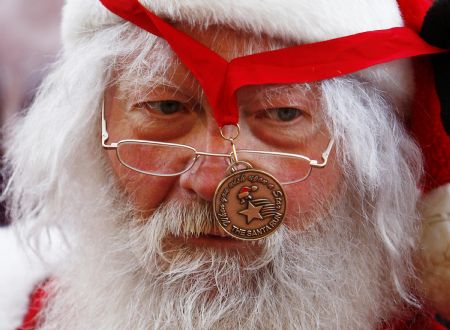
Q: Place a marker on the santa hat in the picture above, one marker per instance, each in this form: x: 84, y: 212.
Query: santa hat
x: 308, y: 22
x: 290, y: 20
x: 313, y: 21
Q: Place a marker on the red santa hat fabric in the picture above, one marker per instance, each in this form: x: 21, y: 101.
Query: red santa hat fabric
x: 426, y: 124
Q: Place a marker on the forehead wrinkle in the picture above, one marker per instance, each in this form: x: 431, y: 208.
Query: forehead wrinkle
x: 230, y: 43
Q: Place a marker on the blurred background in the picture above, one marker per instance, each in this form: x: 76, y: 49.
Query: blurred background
x: 29, y: 43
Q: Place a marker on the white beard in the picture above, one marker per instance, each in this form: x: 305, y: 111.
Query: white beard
x: 120, y: 276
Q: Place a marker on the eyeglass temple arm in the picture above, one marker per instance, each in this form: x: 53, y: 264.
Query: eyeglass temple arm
x: 105, y: 135
x: 325, y: 155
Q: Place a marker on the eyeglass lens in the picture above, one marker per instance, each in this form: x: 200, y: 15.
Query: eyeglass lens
x: 155, y: 159
x: 173, y: 160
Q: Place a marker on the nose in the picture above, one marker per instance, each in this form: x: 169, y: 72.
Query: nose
x: 202, y: 179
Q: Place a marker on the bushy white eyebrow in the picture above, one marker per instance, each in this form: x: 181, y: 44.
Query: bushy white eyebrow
x: 267, y: 94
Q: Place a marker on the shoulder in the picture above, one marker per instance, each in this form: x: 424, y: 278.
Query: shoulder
x: 22, y: 271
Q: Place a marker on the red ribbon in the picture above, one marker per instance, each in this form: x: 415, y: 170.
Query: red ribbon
x: 220, y: 79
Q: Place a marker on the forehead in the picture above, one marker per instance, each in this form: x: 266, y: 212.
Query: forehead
x: 159, y: 65
x: 230, y: 43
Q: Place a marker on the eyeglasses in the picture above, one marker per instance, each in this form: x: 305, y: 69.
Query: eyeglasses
x: 166, y: 159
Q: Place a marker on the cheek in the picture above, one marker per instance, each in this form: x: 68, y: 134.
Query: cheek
x: 304, y: 198
x: 140, y: 188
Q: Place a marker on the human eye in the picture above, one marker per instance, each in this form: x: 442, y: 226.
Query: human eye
x: 162, y: 108
x: 162, y: 119
x: 286, y: 126
x: 282, y: 114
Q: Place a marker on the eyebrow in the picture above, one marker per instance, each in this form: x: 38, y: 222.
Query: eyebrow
x: 265, y: 92
x: 143, y: 78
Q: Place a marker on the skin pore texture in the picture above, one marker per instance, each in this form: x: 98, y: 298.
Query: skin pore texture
x: 129, y: 117
x: 144, y: 253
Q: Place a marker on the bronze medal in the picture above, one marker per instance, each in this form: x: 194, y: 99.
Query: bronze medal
x: 249, y: 204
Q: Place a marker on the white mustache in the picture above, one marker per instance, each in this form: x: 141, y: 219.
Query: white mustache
x: 184, y: 219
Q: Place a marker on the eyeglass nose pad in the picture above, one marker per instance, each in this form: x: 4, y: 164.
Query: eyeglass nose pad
x: 204, y: 176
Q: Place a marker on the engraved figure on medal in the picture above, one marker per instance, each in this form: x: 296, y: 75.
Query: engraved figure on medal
x: 249, y: 204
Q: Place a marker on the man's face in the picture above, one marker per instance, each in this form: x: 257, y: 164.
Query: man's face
x: 170, y: 107
x: 169, y: 269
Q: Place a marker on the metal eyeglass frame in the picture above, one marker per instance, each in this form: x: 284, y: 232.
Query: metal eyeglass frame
x: 231, y: 155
